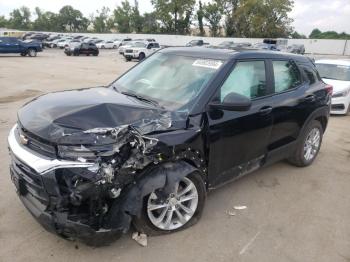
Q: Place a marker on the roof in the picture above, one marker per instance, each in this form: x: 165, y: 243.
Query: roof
x: 334, y: 62
x: 227, y: 54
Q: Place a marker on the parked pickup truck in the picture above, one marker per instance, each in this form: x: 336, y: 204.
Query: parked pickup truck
x: 140, y: 51
x: 13, y: 45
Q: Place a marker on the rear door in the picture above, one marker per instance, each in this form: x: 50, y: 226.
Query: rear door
x: 293, y: 102
x: 238, y: 137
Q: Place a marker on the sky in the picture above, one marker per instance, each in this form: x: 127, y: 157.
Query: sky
x: 325, y: 15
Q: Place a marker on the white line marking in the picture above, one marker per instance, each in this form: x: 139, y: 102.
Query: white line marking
x: 245, y: 248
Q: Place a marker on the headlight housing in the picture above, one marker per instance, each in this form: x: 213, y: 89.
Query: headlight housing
x: 85, y: 152
x: 342, y: 94
x: 135, y: 51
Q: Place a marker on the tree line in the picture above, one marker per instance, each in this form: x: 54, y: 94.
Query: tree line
x: 234, y: 18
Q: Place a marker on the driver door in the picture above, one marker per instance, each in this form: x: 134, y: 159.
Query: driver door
x: 240, y: 139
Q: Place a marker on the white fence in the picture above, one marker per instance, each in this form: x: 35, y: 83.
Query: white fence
x: 312, y: 46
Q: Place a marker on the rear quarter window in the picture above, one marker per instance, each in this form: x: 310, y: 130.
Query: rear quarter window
x: 286, y: 75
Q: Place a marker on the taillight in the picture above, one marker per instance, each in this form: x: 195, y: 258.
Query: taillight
x: 329, y: 89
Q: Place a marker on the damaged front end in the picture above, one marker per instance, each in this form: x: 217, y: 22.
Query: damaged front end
x: 91, y: 191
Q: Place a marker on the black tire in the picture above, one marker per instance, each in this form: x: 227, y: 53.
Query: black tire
x: 297, y: 158
x: 141, y: 56
x: 127, y: 59
x: 95, y: 54
x: 23, y: 54
x: 144, y: 225
x: 115, y: 47
x: 32, y: 52
x: 103, y: 47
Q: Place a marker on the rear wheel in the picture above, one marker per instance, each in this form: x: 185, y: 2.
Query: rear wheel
x: 23, y: 54
x: 32, y: 52
x: 177, y: 211
x: 308, y: 146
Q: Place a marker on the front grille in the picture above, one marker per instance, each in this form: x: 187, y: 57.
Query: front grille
x: 128, y: 51
x: 28, y: 181
x: 38, y: 145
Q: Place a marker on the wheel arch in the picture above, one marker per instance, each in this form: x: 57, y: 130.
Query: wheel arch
x: 321, y: 115
x: 130, y: 203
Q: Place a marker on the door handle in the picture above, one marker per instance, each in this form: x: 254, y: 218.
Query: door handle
x: 309, y: 98
x: 265, y: 110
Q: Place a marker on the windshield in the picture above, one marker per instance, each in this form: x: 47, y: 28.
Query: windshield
x: 337, y: 72
x: 172, y: 81
x: 138, y: 44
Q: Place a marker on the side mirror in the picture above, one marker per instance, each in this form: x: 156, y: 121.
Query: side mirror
x: 233, y: 102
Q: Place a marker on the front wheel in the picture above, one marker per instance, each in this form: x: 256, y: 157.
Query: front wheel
x: 308, y: 146
x: 23, y: 54
x: 142, y: 56
x: 177, y: 211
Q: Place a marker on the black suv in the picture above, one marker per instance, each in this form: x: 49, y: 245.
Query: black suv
x: 147, y: 149
x: 76, y: 49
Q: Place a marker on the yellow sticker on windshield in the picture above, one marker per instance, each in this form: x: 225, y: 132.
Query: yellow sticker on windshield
x: 208, y: 63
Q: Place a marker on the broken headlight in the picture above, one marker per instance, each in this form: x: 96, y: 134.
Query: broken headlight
x: 84, y: 152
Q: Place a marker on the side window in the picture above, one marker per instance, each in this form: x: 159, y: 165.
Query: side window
x: 311, y: 74
x: 156, y: 45
x: 287, y: 75
x: 247, y: 79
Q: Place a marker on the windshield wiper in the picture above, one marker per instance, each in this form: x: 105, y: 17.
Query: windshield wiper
x: 141, y: 98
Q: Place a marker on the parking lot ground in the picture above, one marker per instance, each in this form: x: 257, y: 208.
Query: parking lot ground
x: 293, y: 214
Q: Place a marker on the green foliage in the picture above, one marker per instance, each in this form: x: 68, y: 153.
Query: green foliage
x: 213, y: 14
x: 200, y: 16
x: 71, y: 20
x: 296, y: 35
x: 256, y: 18
x: 3, y: 21
x: 174, y: 15
x: 20, y: 18
x: 45, y: 21
x: 122, y: 17
x: 150, y: 24
x: 102, y: 22
x: 239, y: 18
x: 317, y: 34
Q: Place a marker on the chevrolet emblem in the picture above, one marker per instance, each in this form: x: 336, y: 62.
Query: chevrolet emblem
x: 23, y: 139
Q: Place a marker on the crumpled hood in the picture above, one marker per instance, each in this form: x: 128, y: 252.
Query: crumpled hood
x: 56, y: 116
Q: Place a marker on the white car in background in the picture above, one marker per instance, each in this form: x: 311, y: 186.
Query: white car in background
x: 337, y: 74
x: 63, y: 44
x: 140, y: 50
x: 106, y: 45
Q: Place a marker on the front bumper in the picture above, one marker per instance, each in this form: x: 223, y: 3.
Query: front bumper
x: 131, y: 55
x: 35, y: 181
x: 340, y: 105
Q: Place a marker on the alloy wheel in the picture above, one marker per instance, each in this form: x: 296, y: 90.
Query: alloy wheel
x: 177, y: 209
x: 312, y: 144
